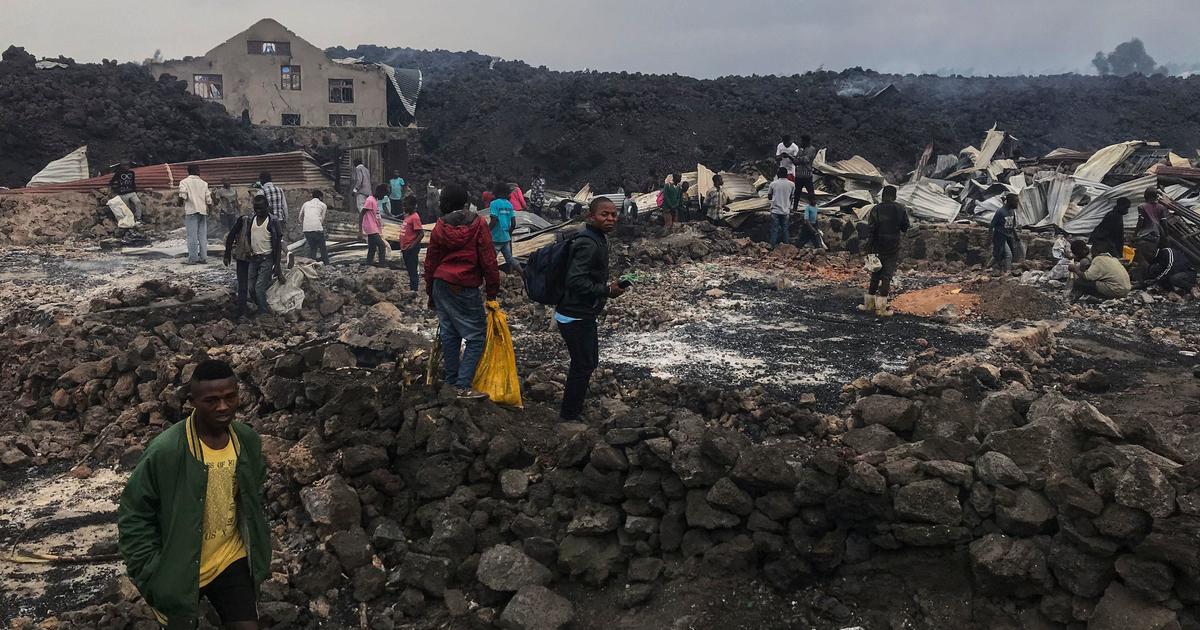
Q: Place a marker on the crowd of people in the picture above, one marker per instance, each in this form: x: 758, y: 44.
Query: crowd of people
x: 194, y: 499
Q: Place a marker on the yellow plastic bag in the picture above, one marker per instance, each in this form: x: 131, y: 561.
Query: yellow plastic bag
x: 496, y: 375
x: 1127, y: 253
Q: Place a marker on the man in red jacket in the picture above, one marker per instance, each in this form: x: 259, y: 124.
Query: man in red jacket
x: 459, y: 259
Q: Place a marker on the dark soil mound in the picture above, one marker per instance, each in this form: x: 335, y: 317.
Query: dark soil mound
x: 119, y: 111
x: 1006, y: 301
x: 482, y: 118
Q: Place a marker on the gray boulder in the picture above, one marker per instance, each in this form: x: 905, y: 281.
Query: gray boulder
x: 1024, y: 513
x: 1120, y: 609
x: 508, y: 569
x: 998, y: 469
x: 700, y: 513
x: 897, y: 414
x: 537, y: 608
x: 332, y: 502
x: 1003, y: 565
x: 871, y: 438
x: 727, y: 495
x: 1143, y: 486
x: 930, y: 501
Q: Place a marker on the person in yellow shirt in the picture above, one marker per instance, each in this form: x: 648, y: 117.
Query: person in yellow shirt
x: 191, y: 522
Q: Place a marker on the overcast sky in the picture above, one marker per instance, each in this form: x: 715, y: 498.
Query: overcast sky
x: 703, y: 38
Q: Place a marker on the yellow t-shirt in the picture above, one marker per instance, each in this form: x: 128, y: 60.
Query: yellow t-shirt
x: 221, y: 544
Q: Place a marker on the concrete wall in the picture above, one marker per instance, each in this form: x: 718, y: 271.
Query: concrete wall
x: 252, y: 81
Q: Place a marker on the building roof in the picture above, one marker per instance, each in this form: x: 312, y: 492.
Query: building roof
x: 293, y: 168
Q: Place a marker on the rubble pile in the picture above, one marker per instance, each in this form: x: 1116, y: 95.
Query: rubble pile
x: 118, y: 110
x: 590, y: 126
x: 400, y: 501
x: 394, y: 504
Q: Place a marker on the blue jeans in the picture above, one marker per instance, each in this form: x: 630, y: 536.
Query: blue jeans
x: 1001, y: 253
x: 779, y: 228
x: 461, y: 319
x: 197, y: 237
x: 254, y: 274
x: 505, y: 248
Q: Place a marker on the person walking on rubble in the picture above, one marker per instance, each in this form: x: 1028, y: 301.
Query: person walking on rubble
x: 886, y: 223
x: 191, y: 522
x: 804, y: 165
x: 1004, y: 234
x: 1109, y: 235
x: 227, y: 203
x: 810, y: 234
x: 196, y: 197
x: 124, y: 185
x: 312, y: 222
x: 586, y: 292
x: 370, y: 226
x: 786, y: 152
x: 672, y: 204
x: 360, y: 184
x: 502, y: 219
x: 256, y: 243
x: 1148, y: 235
x: 276, y: 200
x: 782, y: 194
x: 460, y: 257
x: 412, y: 232
x: 537, y: 192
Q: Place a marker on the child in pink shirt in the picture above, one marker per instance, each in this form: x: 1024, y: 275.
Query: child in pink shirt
x: 411, y: 233
x: 371, y: 226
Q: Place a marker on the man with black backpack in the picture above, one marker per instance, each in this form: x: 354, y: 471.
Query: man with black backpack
x: 572, y: 275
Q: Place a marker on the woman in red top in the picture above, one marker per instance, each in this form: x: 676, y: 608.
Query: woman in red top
x: 412, y: 232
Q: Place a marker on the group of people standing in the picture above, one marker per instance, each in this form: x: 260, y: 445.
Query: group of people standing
x: 462, y: 257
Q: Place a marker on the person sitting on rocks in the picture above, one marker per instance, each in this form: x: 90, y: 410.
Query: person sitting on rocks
x: 460, y: 257
x: 1105, y: 278
x: 1171, y: 270
x: 191, y: 522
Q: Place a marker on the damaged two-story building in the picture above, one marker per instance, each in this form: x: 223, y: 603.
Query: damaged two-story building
x: 269, y: 76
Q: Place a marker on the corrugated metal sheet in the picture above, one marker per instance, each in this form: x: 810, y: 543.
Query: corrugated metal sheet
x: 856, y: 167
x: 927, y: 200
x: 1105, y: 159
x: 71, y: 167
x: 1089, y: 217
x: 294, y: 168
x: 991, y: 143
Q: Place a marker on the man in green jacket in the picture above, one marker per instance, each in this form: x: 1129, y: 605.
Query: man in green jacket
x: 191, y: 520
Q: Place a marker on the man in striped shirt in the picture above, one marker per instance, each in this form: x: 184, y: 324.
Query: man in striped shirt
x: 276, y: 200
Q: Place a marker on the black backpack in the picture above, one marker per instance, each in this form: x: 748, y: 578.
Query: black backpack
x: 545, y: 272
